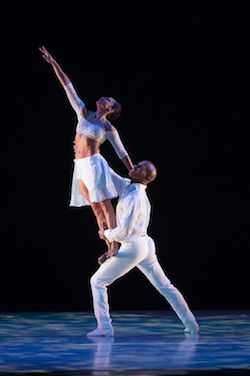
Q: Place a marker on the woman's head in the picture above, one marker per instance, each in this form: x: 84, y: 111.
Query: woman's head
x: 110, y: 106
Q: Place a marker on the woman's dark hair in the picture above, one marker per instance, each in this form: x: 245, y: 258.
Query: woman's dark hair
x: 112, y: 117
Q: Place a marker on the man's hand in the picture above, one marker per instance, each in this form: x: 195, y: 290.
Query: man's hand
x: 101, y: 234
x: 102, y: 258
x: 102, y: 229
x: 111, y: 253
x: 107, y: 255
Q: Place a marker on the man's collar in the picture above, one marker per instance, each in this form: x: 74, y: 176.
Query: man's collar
x: 142, y: 186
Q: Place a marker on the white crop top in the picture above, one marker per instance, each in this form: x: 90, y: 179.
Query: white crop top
x: 92, y: 130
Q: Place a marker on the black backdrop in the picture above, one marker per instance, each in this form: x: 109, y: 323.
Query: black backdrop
x: 181, y: 72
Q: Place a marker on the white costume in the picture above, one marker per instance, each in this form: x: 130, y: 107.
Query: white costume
x: 94, y: 170
x: 137, y: 250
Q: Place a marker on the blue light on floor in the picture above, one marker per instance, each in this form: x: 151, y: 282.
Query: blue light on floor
x: 57, y: 342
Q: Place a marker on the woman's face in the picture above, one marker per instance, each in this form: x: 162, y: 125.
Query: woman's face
x: 105, y: 103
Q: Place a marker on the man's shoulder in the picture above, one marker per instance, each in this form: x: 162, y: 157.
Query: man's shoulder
x: 134, y: 190
x: 118, y: 181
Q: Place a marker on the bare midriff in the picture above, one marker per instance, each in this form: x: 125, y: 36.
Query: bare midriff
x: 85, y: 146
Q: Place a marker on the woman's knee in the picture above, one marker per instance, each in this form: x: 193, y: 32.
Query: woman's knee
x: 107, y: 206
x: 96, y: 207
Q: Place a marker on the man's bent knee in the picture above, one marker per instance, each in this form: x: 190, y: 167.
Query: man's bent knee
x: 93, y: 280
x: 96, y: 280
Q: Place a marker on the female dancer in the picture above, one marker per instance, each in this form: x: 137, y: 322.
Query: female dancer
x: 92, y: 183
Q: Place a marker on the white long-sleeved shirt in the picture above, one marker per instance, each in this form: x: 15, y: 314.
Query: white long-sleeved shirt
x: 132, y: 211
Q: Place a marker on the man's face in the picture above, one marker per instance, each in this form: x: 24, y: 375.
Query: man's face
x: 138, y: 172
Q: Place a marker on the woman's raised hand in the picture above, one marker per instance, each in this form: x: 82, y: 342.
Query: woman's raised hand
x: 46, y: 55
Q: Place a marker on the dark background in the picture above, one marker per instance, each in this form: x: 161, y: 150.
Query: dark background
x: 181, y: 71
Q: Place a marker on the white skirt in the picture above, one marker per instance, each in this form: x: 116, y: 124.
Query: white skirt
x: 94, y: 171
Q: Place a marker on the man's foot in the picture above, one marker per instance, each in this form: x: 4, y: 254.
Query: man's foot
x: 103, y: 341
x: 107, y: 332
x: 192, y: 328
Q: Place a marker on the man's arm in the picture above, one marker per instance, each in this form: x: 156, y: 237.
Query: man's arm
x: 119, y: 182
x: 125, y: 227
x: 123, y: 230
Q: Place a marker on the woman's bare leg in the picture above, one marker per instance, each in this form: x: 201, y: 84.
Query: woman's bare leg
x: 110, y: 217
x: 97, y: 209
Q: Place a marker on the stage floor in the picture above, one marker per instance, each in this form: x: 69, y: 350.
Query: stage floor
x: 145, y: 343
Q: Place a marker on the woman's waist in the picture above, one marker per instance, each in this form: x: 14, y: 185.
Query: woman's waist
x: 83, y: 139
x: 85, y: 148
x: 90, y: 156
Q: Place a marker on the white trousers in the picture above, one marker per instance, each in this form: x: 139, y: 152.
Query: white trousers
x: 139, y: 253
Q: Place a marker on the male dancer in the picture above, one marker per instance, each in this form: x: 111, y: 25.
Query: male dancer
x: 137, y: 249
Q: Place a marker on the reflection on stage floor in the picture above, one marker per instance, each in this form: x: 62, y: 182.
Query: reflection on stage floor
x: 145, y: 343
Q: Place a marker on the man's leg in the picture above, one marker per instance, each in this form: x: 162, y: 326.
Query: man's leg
x: 153, y: 271
x: 129, y: 255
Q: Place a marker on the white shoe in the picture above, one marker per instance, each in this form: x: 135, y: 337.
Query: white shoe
x: 192, y: 328
x: 107, y: 332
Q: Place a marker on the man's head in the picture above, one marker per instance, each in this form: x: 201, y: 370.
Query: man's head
x: 144, y: 172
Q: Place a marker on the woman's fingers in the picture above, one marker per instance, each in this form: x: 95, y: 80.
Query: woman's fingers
x: 44, y: 51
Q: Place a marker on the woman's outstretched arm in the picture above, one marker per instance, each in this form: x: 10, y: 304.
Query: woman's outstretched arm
x: 74, y: 100
x: 62, y: 77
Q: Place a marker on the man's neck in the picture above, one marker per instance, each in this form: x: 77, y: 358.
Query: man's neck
x: 136, y: 181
